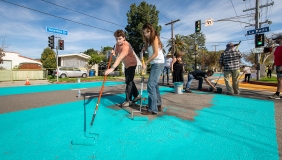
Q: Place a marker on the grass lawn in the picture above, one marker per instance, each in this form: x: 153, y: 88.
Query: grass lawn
x: 269, y: 80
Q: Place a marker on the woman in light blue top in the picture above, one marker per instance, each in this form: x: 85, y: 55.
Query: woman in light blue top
x: 156, y: 58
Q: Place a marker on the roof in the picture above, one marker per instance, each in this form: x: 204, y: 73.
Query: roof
x: 75, y: 54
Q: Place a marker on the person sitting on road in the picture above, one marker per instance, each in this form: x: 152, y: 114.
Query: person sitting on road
x: 199, y: 75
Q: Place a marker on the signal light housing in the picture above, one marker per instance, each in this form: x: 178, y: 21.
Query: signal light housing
x: 61, y: 44
x: 51, y: 41
x: 259, y: 40
x: 198, y: 26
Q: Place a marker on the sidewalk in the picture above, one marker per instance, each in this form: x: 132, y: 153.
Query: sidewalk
x: 22, y: 83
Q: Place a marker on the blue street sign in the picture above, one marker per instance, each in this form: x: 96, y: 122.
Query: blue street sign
x: 250, y: 32
x: 56, y: 30
x: 260, y: 30
x: 264, y: 29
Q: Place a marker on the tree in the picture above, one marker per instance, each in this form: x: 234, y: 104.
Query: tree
x: 211, y: 59
x: 249, y: 57
x: 265, y: 56
x: 190, y: 42
x: 136, y: 17
x: 2, y: 48
x: 179, y: 44
x: 106, y: 49
x: 95, y: 58
x: 48, y: 58
x: 90, y: 51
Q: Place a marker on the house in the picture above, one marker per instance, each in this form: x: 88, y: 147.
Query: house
x: 13, y: 60
x: 79, y: 60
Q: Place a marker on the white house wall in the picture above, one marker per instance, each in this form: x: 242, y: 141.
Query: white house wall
x: 74, y: 61
x: 17, y: 59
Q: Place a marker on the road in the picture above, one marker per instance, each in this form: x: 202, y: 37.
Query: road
x: 44, y: 118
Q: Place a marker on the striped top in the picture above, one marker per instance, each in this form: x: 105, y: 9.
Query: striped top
x: 230, y: 60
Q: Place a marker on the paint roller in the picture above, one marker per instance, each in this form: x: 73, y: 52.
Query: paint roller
x: 89, y: 138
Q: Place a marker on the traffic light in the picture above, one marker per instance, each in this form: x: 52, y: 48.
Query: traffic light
x: 259, y: 40
x: 267, y: 49
x: 198, y: 26
x: 51, y: 43
x: 61, y: 44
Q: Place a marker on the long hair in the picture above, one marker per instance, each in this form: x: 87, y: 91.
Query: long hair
x: 153, y: 35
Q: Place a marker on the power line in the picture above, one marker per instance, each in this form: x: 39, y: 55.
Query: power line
x: 81, y: 13
x: 56, y: 16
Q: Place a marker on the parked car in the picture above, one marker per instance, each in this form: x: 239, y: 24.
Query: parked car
x: 70, y: 72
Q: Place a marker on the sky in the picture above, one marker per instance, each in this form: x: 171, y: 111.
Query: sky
x: 91, y: 23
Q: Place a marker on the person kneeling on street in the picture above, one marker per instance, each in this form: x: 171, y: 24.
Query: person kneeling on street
x: 199, y: 75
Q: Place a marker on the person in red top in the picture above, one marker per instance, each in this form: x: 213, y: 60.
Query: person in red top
x: 124, y: 52
x: 278, y: 64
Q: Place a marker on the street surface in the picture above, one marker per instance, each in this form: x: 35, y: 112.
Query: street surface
x: 40, y: 121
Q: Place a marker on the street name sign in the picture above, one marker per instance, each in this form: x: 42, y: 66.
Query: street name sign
x: 260, y: 30
x: 56, y: 30
x: 258, y: 50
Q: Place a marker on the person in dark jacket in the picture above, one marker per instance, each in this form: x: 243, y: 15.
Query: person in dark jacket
x: 200, y: 76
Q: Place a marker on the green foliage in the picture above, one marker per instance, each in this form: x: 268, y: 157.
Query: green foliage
x: 48, y: 58
x: 90, y: 51
x: 95, y: 59
x: 136, y: 17
x: 106, y: 49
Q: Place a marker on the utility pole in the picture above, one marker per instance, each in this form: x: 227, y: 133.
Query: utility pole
x: 257, y: 26
x: 215, y: 47
x: 172, y: 41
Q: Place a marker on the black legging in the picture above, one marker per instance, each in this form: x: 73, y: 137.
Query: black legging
x: 269, y: 73
x: 247, y: 76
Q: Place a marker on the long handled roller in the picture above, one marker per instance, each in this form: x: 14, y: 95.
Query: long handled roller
x: 101, y: 91
x: 88, y: 139
x: 140, y: 118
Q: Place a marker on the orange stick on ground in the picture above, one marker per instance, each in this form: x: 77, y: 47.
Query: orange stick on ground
x: 101, y: 91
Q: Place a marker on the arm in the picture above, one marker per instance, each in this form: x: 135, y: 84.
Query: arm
x: 171, y: 66
x: 209, y: 83
x: 118, y: 60
x: 155, y: 46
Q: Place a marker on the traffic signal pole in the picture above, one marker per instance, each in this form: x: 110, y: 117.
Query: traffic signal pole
x: 257, y: 27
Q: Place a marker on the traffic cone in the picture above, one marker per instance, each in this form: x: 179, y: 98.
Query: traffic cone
x: 27, y: 81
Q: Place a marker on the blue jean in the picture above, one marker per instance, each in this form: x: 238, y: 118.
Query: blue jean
x: 190, y: 80
x: 154, y: 96
x: 166, y: 72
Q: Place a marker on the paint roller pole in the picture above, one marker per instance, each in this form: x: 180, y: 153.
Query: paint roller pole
x: 101, y: 91
x: 140, y: 118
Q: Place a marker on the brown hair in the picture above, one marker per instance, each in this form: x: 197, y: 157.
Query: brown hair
x: 210, y: 71
x: 119, y: 33
x: 178, y: 54
x: 153, y: 35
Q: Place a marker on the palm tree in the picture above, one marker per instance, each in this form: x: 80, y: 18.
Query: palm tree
x: 179, y: 44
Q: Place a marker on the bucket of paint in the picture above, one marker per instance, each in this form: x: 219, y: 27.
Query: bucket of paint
x: 178, y: 87
x: 78, y: 80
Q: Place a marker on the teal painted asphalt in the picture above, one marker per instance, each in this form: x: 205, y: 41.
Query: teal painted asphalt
x: 231, y: 128
x: 52, y: 87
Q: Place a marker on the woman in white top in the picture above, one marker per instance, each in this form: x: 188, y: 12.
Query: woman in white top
x: 247, y: 71
x: 156, y: 58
